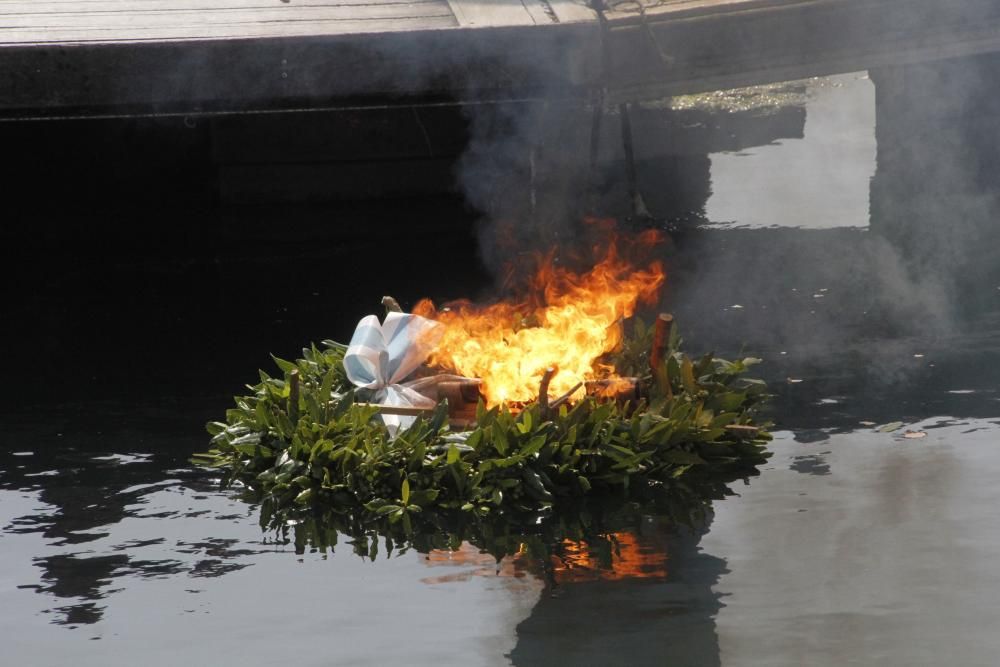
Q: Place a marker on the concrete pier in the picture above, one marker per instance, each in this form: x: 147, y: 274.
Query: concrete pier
x: 131, y: 57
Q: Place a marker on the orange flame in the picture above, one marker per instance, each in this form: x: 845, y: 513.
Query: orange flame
x: 568, y: 321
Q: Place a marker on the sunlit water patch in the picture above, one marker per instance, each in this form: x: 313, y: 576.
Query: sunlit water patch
x: 820, y: 181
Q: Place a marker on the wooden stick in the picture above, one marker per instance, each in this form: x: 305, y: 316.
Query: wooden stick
x: 543, y: 388
x: 661, y: 339
x: 293, y: 396
x: 391, y: 305
x: 565, y: 397
x: 616, y: 389
x: 742, y: 430
x: 661, y: 344
x: 639, y: 210
x: 400, y: 410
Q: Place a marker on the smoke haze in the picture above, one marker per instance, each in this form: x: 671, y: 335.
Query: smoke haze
x: 873, y: 238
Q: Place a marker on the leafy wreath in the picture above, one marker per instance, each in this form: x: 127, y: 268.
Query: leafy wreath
x: 307, y: 442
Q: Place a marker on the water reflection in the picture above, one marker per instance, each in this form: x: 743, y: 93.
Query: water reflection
x: 811, y: 464
x: 783, y: 183
x: 633, y: 588
x: 81, y: 501
x: 617, y: 556
x: 885, y: 559
x: 109, y: 521
x: 666, y: 618
x: 853, y: 319
x: 623, y: 583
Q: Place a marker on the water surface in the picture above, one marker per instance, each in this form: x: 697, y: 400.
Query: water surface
x: 856, y: 544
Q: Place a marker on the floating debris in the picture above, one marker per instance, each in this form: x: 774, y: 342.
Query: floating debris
x: 890, y: 427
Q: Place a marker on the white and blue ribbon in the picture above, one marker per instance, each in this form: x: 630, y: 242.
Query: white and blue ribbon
x: 382, y: 355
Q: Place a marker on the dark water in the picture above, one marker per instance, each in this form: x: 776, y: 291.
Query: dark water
x: 855, y: 545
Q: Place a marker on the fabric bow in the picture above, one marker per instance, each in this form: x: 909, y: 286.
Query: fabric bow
x: 381, y: 355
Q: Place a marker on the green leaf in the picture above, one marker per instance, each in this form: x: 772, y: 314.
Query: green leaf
x: 326, y: 392
x: 440, y: 417
x: 343, y: 405
x: 890, y: 427
x: 535, y: 485
x: 679, y: 456
x: 524, y: 426
x: 534, y: 445
x: 500, y: 441
x: 687, y: 376
x: 285, y: 366
x: 317, y: 413
x: 424, y: 497
x: 215, y: 428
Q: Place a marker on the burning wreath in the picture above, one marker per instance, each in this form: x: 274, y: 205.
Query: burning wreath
x: 507, y: 408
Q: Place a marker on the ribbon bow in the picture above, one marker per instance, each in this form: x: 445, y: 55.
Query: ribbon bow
x: 381, y: 355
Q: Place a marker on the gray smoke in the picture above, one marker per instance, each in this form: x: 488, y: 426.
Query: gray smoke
x: 883, y: 271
